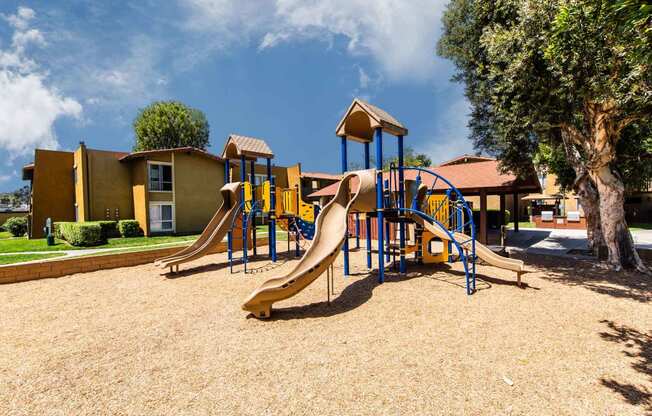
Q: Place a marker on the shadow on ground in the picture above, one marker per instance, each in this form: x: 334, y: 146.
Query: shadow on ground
x: 238, y: 267
x: 637, y: 346
x: 592, y: 276
x: 361, y: 291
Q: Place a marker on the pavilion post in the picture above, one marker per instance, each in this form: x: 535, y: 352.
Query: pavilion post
x: 483, y: 216
x: 380, y: 205
x: 345, y: 248
x: 515, y: 209
x: 367, y: 220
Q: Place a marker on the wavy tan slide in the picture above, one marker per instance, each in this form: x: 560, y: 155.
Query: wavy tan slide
x: 482, y: 251
x: 327, y: 243
x: 214, y: 232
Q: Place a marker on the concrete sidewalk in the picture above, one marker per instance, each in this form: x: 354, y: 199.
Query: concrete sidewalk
x: 555, y: 242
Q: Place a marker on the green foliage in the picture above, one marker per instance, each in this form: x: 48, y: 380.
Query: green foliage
x: 17, y: 226
x: 170, y: 124
x: 79, y: 234
x: 129, y: 228
x: 410, y: 158
x: 109, y: 228
x: 551, y: 158
x: 18, y: 197
x: 531, y: 67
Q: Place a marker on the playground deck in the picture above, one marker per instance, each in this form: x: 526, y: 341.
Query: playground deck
x: 129, y: 341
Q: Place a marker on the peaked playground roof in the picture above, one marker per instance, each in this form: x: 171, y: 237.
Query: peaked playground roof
x: 362, y: 118
x: 249, y: 147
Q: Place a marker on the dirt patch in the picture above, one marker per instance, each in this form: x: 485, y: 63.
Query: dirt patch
x: 574, y: 341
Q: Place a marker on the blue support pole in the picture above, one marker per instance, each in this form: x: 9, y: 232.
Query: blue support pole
x: 357, y: 230
x: 252, y: 176
x: 451, y: 225
x: 379, y: 205
x: 401, y: 205
x: 345, y: 248
x: 297, y: 229
x: 243, y: 179
x: 367, y: 221
x: 386, y: 202
x: 229, y: 234
x: 271, y: 230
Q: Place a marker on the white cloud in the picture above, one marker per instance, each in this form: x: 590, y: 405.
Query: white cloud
x: 399, y: 35
x: 450, y: 134
x: 28, y: 106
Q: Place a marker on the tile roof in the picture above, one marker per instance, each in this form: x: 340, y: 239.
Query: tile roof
x: 249, y: 146
x: 467, y: 177
x: 192, y: 150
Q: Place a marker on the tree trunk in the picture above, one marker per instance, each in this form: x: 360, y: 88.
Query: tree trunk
x: 618, y: 239
x: 587, y: 192
x: 611, y: 190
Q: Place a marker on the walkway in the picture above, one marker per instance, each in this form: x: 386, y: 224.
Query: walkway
x: 560, y: 242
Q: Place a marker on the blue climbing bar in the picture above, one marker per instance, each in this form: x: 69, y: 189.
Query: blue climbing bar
x: 401, y: 205
x: 271, y: 224
x: 243, y: 179
x: 379, y: 205
x: 345, y: 248
x: 367, y: 220
x: 252, y: 176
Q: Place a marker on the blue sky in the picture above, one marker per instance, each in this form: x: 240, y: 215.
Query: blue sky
x: 282, y: 70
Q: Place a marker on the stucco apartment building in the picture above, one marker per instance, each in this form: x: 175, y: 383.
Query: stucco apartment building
x: 167, y: 191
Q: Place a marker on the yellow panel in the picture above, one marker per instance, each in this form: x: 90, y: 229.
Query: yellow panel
x: 266, y: 196
x: 247, y: 196
x: 307, y: 212
x: 437, y: 206
x: 430, y: 258
x: 289, y: 198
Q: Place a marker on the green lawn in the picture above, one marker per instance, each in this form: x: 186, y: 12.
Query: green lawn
x: 640, y: 226
x: 19, y: 245
x: 19, y: 258
x: 5, y: 234
x: 521, y: 224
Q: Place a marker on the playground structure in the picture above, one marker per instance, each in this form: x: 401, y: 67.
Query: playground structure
x: 431, y: 206
x: 438, y: 211
x: 243, y: 200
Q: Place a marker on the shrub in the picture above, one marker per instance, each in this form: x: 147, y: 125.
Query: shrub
x: 17, y: 226
x: 109, y: 228
x: 129, y: 228
x: 80, y: 234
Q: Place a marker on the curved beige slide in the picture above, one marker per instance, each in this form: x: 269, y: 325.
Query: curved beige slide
x: 329, y: 238
x: 214, y: 232
x: 482, y: 251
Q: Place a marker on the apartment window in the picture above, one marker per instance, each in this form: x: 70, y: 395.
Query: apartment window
x: 160, y: 177
x: 161, y: 217
x: 260, y: 178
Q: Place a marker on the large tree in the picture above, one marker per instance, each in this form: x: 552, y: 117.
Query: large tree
x: 567, y: 73
x: 170, y: 124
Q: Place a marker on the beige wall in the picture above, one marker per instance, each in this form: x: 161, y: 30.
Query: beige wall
x: 197, y: 184
x: 280, y: 172
x: 53, y: 189
x: 140, y: 193
x: 109, y: 187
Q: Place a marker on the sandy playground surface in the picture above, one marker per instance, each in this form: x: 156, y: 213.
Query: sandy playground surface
x: 576, y: 341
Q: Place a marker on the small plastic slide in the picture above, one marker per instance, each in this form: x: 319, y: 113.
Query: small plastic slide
x: 329, y: 237
x: 482, y: 251
x: 214, y: 232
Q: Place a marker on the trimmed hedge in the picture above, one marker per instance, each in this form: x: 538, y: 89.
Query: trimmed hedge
x: 79, y: 234
x: 109, y: 228
x: 17, y: 226
x: 129, y: 228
